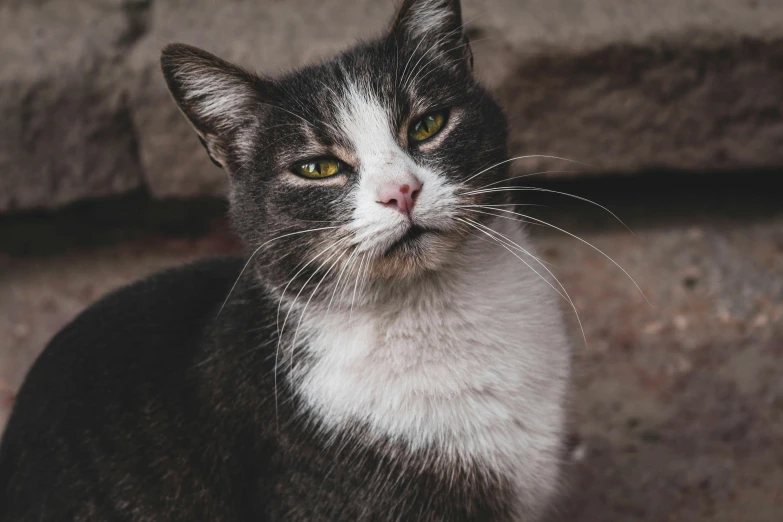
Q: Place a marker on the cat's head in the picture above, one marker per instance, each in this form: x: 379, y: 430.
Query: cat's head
x: 360, y: 163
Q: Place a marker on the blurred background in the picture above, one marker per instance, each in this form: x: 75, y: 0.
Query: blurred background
x: 676, y: 105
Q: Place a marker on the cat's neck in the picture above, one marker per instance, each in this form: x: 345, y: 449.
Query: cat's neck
x: 465, y: 364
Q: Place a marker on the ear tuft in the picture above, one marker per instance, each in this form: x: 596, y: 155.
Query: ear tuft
x: 428, y: 18
x: 214, y: 95
x: 433, y: 26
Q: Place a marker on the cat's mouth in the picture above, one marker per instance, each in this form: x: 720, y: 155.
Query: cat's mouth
x: 410, y: 239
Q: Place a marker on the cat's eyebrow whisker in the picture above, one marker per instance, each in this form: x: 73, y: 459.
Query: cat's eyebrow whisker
x: 494, y: 234
x: 524, y: 176
x: 615, y: 263
x: 257, y: 250
x: 412, y: 81
x: 402, y: 77
x: 448, y: 62
x: 550, y: 191
x: 436, y: 44
x: 405, y: 70
x: 545, y: 156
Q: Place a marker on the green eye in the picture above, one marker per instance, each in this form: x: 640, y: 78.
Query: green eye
x: 320, y: 168
x: 428, y: 126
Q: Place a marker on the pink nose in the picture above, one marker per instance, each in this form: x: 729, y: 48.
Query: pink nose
x: 402, y: 197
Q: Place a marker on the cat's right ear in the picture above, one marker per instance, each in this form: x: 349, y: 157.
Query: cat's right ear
x: 217, y: 97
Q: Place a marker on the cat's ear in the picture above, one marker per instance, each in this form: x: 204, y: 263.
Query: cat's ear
x: 433, y: 26
x: 217, y: 97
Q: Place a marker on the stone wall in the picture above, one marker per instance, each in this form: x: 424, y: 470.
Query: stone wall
x: 624, y: 85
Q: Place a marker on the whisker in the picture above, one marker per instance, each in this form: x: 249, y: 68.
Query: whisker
x: 586, y: 243
x: 502, y: 217
x: 282, y: 295
x: 285, y: 321
x: 448, y: 62
x: 405, y: 70
x: 347, y: 284
x: 358, y: 274
x: 564, y: 294
x: 312, y: 294
x: 365, y: 277
x: 256, y: 251
x: 402, y: 79
x: 526, y: 176
x: 539, y: 189
x: 339, y: 278
x: 412, y: 80
x: 524, y: 157
x: 510, y: 245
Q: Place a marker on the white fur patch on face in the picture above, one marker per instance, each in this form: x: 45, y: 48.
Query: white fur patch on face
x: 472, y: 360
x: 381, y: 160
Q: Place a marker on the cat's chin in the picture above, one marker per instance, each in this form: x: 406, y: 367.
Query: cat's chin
x: 419, y: 251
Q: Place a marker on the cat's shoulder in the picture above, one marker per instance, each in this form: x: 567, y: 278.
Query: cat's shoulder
x: 155, y: 323
x: 164, y: 299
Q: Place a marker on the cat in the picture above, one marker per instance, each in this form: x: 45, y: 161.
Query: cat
x: 389, y: 349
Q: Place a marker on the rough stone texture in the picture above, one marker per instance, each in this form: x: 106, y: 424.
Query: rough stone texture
x: 624, y: 85
x: 677, y: 406
x: 66, y: 130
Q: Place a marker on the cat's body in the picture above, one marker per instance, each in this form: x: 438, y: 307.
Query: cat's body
x: 375, y: 361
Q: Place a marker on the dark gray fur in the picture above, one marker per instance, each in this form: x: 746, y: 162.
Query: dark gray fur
x: 151, y: 405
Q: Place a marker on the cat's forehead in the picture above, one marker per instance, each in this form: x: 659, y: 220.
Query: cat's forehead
x: 374, y: 86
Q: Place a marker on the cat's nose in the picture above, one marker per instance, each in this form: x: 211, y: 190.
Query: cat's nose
x: 401, y: 196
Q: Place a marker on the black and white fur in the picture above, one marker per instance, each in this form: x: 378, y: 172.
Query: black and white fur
x: 361, y: 364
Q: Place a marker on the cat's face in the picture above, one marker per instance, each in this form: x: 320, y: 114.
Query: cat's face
x: 359, y: 165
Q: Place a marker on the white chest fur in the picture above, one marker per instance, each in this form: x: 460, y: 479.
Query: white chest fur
x: 474, y: 363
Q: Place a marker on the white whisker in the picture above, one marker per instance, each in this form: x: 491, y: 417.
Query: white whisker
x: 437, y: 42
x: 340, y: 277
x: 539, y: 189
x: 412, y: 80
x: 525, y: 176
x: 564, y: 294
x: 312, y: 294
x: 586, y: 243
x: 523, y: 157
x: 281, y: 330
x: 499, y: 216
x: 256, y: 251
x: 358, y: 274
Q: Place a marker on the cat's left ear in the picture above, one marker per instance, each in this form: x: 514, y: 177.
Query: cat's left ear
x: 219, y: 99
x: 433, y: 26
